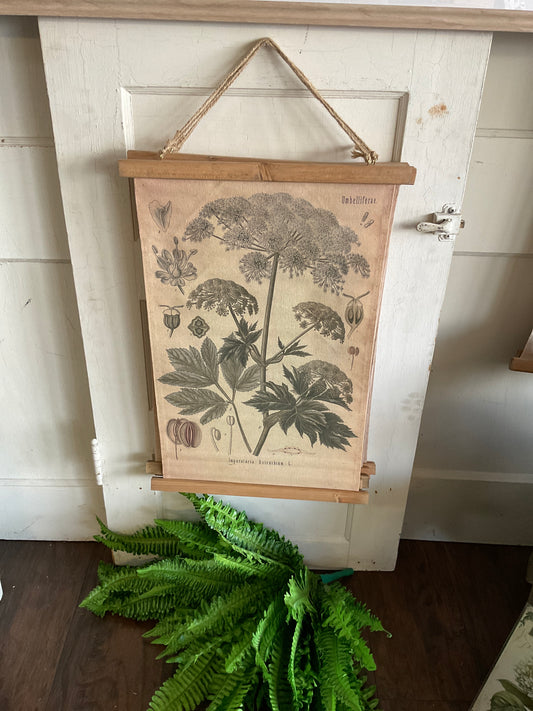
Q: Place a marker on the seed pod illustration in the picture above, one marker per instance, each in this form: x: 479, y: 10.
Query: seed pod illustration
x: 171, y: 317
x: 185, y: 432
x: 355, y: 312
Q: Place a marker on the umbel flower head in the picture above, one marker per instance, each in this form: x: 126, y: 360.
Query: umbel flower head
x: 323, y: 319
x: 328, y: 375
x: 302, y: 237
x: 224, y: 296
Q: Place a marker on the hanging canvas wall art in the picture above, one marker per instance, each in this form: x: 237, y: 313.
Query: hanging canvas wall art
x: 263, y: 284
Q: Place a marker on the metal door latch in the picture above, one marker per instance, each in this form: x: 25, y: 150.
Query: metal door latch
x: 446, y: 225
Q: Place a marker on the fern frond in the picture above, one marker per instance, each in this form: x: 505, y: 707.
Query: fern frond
x: 187, y: 688
x: 230, y: 690
x: 346, y: 613
x: 268, y: 629
x: 226, y: 611
x: 200, y: 579
x: 197, y: 534
x: 213, y: 619
x: 157, y: 602
x: 279, y: 690
x: 348, y: 617
x: 301, y: 671
x: 105, y: 571
x: 241, y: 650
x: 275, y: 573
x: 116, y: 585
x: 194, y: 649
x: 291, y: 667
x: 336, y: 671
x: 301, y: 589
x: 152, y: 540
x: 167, y: 623
x: 252, y: 539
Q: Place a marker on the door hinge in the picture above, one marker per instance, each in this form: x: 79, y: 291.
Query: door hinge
x: 446, y: 224
x: 97, y: 461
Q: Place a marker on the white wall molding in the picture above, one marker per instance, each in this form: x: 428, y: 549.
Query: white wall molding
x: 470, y: 475
x: 82, y: 482
x: 26, y: 142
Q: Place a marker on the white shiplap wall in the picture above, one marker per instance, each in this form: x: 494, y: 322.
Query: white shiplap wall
x: 47, y: 488
x: 473, y: 475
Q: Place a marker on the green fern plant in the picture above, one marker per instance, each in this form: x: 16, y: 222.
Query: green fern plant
x: 247, y: 623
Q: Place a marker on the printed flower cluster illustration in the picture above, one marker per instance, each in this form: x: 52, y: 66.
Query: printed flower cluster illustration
x: 277, y: 233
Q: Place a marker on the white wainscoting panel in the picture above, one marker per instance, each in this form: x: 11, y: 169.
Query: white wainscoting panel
x: 53, y: 510
x: 24, y: 105
x: 478, y: 414
x: 498, y: 206
x: 469, y: 510
x: 32, y: 224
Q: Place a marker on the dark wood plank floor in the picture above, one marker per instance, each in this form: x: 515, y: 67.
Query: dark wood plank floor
x: 450, y: 608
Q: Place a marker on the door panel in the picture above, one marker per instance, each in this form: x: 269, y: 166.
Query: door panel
x: 119, y: 85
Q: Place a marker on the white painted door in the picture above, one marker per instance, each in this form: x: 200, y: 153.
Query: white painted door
x: 115, y: 85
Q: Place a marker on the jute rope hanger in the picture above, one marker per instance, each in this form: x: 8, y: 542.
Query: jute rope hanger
x: 360, y: 150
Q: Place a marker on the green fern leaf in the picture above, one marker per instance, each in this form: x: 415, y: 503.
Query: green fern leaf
x: 157, y: 602
x: 197, y: 648
x: 276, y: 574
x: 302, y: 662
x: 219, y: 617
x: 105, y: 571
x: 291, y: 668
x: 187, y: 688
x: 152, y: 540
x: 279, y: 690
x: 231, y: 689
x: 196, y: 534
x: 225, y: 612
x: 268, y: 629
x: 115, y: 586
x: 252, y: 539
x: 198, y: 579
x: 241, y: 650
x: 346, y: 613
x: 336, y: 672
x: 169, y: 622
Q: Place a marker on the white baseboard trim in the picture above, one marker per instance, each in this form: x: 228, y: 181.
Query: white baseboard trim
x: 50, y: 509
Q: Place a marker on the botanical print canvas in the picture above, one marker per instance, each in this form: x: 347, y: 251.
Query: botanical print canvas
x: 263, y: 302
x: 510, y: 683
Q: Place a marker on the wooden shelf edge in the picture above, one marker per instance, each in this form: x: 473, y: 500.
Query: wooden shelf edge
x: 270, y: 491
x: 283, y: 13
x: 142, y: 164
x: 226, y: 488
x: 521, y: 365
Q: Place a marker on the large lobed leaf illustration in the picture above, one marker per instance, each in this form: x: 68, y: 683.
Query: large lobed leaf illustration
x: 310, y: 417
x: 191, y: 401
x: 239, y: 378
x: 192, y: 367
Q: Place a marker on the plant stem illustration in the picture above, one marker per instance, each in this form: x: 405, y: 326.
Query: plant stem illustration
x: 279, y: 234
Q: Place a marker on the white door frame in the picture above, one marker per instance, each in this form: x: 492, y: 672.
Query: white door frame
x: 87, y: 103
